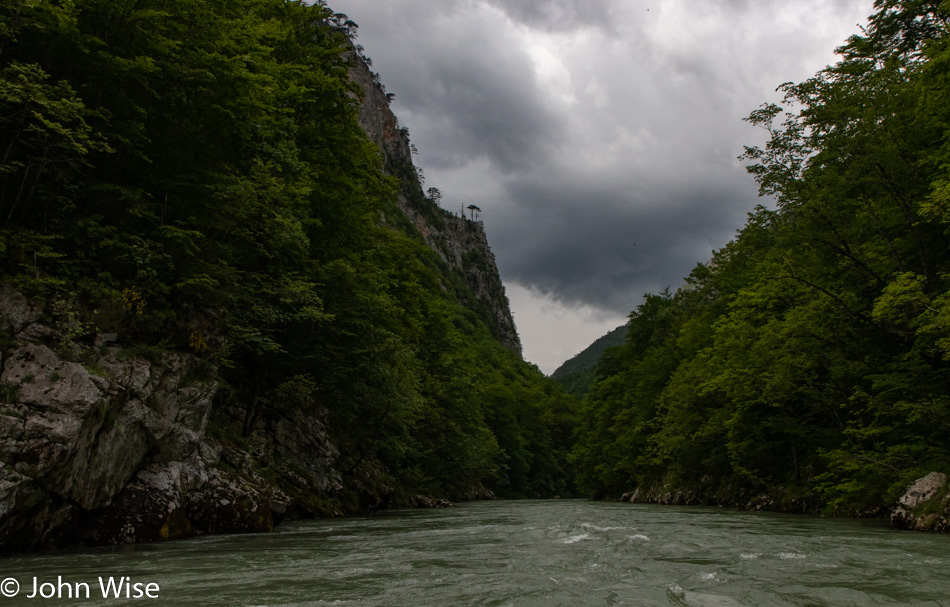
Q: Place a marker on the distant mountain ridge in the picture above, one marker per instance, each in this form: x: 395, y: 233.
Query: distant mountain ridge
x: 589, y: 356
x: 576, y: 375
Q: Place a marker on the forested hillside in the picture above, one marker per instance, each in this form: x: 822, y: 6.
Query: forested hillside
x: 806, y: 365
x: 578, y: 374
x: 188, y: 179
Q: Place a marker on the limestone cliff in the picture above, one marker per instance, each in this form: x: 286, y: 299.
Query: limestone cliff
x: 460, y: 242
x: 101, y: 445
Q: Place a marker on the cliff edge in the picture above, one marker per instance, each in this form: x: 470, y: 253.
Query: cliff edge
x: 460, y: 242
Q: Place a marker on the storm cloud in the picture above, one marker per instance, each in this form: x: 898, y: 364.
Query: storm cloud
x: 600, y: 137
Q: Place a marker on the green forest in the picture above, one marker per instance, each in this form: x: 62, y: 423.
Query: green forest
x: 808, y: 360
x: 191, y: 175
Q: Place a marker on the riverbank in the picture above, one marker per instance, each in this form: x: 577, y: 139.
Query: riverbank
x: 924, y: 506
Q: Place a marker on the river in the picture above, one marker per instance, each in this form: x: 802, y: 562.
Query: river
x: 518, y: 553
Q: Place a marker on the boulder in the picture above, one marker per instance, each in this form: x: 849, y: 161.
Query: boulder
x: 925, y: 505
x: 16, y: 311
x: 923, y: 489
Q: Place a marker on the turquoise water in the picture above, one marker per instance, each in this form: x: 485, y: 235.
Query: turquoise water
x: 546, y: 553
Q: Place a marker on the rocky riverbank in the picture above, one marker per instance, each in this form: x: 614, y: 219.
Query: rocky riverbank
x: 740, y: 499
x: 925, y: 505
x: 101, y: 444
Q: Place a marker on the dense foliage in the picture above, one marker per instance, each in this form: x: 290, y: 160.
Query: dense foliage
x: 809, y: 359
x: 192, y: 174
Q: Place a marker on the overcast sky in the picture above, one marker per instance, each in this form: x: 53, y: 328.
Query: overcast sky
x: 599, y: 137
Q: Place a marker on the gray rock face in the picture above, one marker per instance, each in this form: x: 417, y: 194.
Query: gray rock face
x: 925, y: 505
x: 460, y: 242
x: 15, y: 311
x: 48, y: 383
x: 923, y: 489
x: 121, y: 454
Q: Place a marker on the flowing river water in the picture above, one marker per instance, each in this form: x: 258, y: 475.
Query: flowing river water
x: 549, y: 553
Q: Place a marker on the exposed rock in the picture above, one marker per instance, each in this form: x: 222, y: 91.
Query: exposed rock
x: 421, y: 501
x: 479, y: 493
x: 663, y: 495
x: 122, y: 455
x: 104, y: 339
x: 16, y: 312
x: 923, y: 489
x: 780, y: 500
x: 48, y: 383
x: 37, y: 333
x: 72, y: 441
x: 460, y: 242
x: 180, y: 499
x: 759, y: 503
x: 925, y: 505
x: 299, y: 449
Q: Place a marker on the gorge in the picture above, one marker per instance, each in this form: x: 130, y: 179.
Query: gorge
x: 226, y: 300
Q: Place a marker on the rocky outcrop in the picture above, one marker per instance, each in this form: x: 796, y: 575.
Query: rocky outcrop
x: 460, y: 242
x: 101, y: 445
x: 742, y: 499
x: 421, y: 501
x: 659, y: 495
x: 925, y: 505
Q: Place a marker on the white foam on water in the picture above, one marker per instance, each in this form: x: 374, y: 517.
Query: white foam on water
x: 790, y: 555
x: 577, y: 538
x: 639, y: 537
x: 748, y: 556
x: 594, y: 527
x: 351, y: 571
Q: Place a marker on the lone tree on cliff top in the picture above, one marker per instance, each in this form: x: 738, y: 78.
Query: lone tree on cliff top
x: 473, y: 209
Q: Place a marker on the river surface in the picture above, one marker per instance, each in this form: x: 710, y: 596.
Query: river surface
x: 549, y: 553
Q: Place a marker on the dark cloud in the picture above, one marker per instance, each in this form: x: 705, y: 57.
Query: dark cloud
x: 463, y: 78
x: 478, y: 106
x: 609, y: 248
x: 599, y: 137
